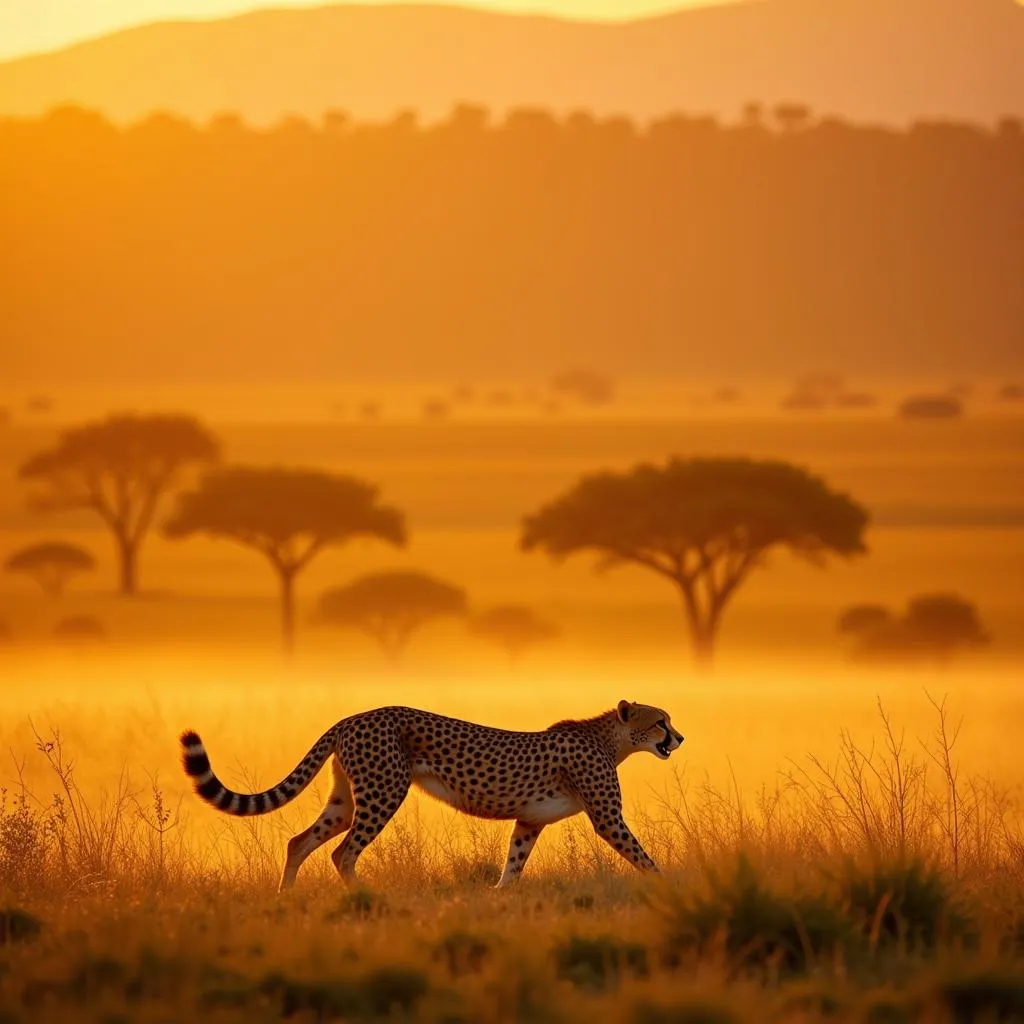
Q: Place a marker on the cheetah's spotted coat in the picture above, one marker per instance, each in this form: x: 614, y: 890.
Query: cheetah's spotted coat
x: 532, y: 778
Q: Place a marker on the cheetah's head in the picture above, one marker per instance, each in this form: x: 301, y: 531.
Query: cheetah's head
x: 648, y: 728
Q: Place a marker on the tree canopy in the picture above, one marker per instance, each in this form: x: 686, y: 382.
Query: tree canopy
x: 51, y: 564
x: 702, y: 523
x: 514, y: 628
x: 391, y: 606
x: 120, y: 468
x: 287, y: 515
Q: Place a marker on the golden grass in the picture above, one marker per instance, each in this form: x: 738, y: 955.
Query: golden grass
x: 886, y: 873
x: 156, y: 908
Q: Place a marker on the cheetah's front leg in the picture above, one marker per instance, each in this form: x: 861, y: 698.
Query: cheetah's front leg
x: 520, y: 847
x: 599, y: 791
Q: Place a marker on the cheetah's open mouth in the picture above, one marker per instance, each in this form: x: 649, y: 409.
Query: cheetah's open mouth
x: 663, y: 748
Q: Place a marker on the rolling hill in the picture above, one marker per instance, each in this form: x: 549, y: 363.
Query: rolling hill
x: 888, y: 61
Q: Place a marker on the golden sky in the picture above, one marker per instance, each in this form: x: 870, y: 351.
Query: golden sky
x: 30, y: 26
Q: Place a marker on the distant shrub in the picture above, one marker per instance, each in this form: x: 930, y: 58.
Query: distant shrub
x: 727, y: 396
x: 39, y: 404
x: 80, y: 627
x: 500, y: 399
x: 933, y: 626
x: 1011, y: 393
x: 856, y: 400
x: 931, y: 407
x: 513, y: 628
x: 825, y: 384
x: 370, y: 410
x: 463, y: 394
x: 435, y: 409
x: 860, y: 619
x: 804, y: 401
x: 586, y: 385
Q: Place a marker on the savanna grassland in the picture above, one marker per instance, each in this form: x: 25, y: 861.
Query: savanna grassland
x: 839, y: 841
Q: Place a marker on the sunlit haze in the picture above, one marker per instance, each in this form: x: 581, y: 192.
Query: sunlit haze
x: 512, y: 520
x: 31, y: 26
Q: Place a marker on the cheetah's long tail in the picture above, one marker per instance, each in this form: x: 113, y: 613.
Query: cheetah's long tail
x: 213, y: 791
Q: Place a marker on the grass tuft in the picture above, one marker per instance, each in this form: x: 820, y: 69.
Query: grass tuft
x: 753, y: 926
x: 599, y: 962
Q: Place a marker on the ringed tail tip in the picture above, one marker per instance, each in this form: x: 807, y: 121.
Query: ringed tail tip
x: 193, y: 755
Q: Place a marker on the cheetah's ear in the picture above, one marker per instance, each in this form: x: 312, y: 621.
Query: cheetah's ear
x: 624, y: 709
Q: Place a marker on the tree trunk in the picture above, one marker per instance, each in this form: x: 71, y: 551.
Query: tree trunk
x: 288, y: 612
x: 128, y: 556
x: 703, y: 627
x: 703, y: 648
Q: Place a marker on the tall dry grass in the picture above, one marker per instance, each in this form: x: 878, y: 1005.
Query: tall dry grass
x: 886, y: 883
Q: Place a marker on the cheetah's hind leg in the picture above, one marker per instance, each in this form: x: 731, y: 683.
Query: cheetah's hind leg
x: 335, y: 818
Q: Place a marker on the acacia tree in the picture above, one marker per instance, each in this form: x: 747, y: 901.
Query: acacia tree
x: 50, y: 564
x: 120, y: 468
x: 391, y: 606
x: 514, y: 628
x: 704, y: 524
x: 288, y: 515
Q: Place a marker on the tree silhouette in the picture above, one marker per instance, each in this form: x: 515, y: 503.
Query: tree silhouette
x: 288, y: 515
x: 79, y: 627
x: 514, y: 628
x: 121, y: 468
x: 943, y: 622
x: 51, y: 564
x: 391, y: 606
x: 704, y: 524
x: 792, y: 117
x: 934, y: 627
x: 861, y: 619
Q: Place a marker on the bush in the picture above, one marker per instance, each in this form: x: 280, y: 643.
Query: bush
x: 80, y: 627
x: 931, y: 407
x: 993, y: 993
x: 860, y: 619
x: 435, y: 409
x: 933, y: 626
x: 905, y: 905
x: 755, y: 927
x: 362, y: 904
x: 18, y: 926
x: 462, y: 953
x: 599, y: 962
x: 587, y: 386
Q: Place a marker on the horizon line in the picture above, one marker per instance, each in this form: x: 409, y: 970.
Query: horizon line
x: 654, y: 12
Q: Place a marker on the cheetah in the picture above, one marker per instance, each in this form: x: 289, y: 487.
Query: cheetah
x: 531, y: 778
